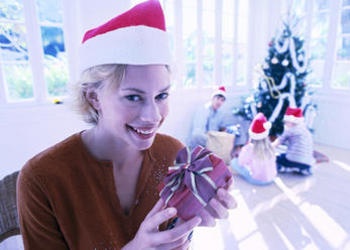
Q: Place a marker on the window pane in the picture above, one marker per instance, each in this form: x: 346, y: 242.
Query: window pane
x: 209, y: 41
x: 190, y: 74
x: 13, y: 42
x: 320, y: 25
x: 228, y: 41
x: 318, y: 48
x: 50, y: 11
x: 345, y: 21
x: 18, y: 81
x: 55, y: 58
x: 189, y: 28
x: 321, y: 5
x: 242, y: 42
x: 56, y: 76
x: 299, y: 7
x: 315, y: 76
x: 343, y: 48
x: 346, y: 3
x: 16, y: 72
x: 11, y: 10
x: 341, y: 75
x: 227, y: 65
x: 241, y: 70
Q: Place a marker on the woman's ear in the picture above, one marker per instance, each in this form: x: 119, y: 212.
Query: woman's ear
x: 92, y: 97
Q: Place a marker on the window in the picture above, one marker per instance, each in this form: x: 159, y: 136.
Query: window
x: 33, y: 63
x: 341, y: 73
x: 329, y: 41
x: 212, y: 52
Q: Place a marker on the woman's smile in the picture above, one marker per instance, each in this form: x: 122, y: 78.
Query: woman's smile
x: 143, y: 132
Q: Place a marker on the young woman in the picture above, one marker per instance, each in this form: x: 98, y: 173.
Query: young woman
x: 97, y: 189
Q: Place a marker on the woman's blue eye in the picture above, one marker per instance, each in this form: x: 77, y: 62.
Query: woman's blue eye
x: 133, y: 98
x: 162, y: 96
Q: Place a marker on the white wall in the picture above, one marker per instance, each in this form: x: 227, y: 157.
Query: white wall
x: 332, y: 123
x: 27, y: 130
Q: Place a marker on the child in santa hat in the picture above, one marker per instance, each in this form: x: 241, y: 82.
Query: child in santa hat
x: 98, y: 189
x: 298, y: 157
x: 256, y: 161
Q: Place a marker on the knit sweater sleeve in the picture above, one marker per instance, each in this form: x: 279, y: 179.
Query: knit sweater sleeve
x: 36, y: 217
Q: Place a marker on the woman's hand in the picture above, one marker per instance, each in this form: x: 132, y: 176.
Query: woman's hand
x: 218, y: 206
x: 149, y: 237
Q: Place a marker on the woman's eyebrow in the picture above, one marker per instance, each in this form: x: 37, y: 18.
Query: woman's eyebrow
x: 142, y: 92
x: 133, y: 89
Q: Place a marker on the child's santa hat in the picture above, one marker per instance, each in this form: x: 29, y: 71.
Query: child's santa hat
x: 294, y: 115
x: 221, y: 90
x: 137, y: 37
x: 259, y: 128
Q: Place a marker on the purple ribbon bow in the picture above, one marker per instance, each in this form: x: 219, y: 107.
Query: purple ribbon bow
x: 190, y: 170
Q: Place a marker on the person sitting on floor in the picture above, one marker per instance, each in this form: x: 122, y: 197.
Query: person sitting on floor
x: 208, y: 118
x: 298, y: 157
x: 256, y: 161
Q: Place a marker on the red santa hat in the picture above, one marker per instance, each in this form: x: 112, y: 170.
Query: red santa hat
x: 137, y: 37
x: 259, y: 128
x: 221, y: 90
x: 294, y: 115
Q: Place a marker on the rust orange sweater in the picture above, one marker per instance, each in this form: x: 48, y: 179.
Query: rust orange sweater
x: 67, y: 198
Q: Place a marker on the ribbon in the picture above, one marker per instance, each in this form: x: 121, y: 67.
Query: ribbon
x: 190, y: 171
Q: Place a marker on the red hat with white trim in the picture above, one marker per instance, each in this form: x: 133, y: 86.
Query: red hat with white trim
x: 137, y: 37
x: 294, y: 115
x: 260, y: 127
x: 221, y: 90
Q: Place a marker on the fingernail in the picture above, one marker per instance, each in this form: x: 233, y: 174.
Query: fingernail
x: 198, y: 220
x: 172, y: 211
x: 221, y: 192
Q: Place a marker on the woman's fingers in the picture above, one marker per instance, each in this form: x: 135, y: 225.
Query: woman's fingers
x: 182, y: 243
x: 159, y: 217
x: 229, y: 185
x: 157, y: 207
x: 217, y: 208
x: 226, y: 198
x: 180, y: 232
x: 208, y: 220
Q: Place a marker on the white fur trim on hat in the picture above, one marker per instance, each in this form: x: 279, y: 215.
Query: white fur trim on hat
x: 293, y: 119
x: 263, y: 135
x: 220, y: 91
x: 294, y: 115
x: 136, y: 37
x: 136, y: 45
x: 260, y: 127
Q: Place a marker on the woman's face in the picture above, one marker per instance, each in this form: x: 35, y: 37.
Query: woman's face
x: 134, y: 111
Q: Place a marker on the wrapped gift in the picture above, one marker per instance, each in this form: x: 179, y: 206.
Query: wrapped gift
x: 193, y: 181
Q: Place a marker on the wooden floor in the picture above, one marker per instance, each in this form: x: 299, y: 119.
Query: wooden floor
x: 295, y: 212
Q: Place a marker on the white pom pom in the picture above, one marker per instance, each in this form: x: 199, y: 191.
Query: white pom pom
x: 267, y: 125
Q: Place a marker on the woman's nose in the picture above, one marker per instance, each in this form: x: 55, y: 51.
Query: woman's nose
x: 150, y: 113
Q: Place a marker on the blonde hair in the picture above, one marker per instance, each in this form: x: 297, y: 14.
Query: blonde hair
x: 97, y: 77
x: 263, y: 148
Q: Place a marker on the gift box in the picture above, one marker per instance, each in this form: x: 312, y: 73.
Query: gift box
x: 193, y: 181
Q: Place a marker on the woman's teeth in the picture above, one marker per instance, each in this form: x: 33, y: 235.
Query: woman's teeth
x: 144, y: 132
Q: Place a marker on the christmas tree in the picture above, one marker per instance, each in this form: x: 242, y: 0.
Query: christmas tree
x: 281, y: 80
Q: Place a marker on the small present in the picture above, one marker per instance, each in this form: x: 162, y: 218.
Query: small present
x: 193, y: 181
